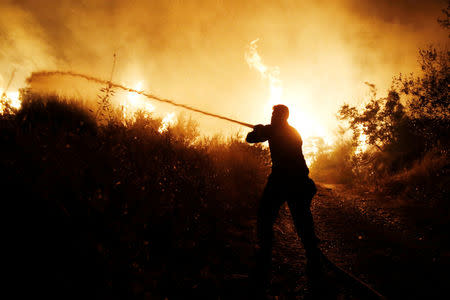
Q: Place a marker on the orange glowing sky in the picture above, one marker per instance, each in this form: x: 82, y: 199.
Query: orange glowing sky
x: 194, y: 51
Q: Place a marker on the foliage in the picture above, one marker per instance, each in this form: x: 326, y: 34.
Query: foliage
x: 118, y: 209
x: 427, y: 97
x: 428, y: 178
x: 386, y: 126
x: 335, y: 165
x: 445, y: 22
x: 105, y: 110
x: 416, y: 109
x: 405, y: 132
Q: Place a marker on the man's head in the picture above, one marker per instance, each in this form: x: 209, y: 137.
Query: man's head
x: 280, y: 114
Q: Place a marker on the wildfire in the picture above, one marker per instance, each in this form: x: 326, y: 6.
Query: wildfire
x: 168, y: 120
x: 362, y: 143
x: 271, y: 74
x: 130, y: 105
x: 11, y: 98
x: 304, y: 123
x: 135, y: 102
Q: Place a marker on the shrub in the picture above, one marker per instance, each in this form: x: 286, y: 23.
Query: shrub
x: 104, y: 207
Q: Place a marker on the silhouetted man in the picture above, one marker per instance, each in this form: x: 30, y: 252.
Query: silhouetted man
x: 289, y: 182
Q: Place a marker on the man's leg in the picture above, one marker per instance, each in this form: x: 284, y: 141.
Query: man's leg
x: 304, y: 224
x: 268, y: 210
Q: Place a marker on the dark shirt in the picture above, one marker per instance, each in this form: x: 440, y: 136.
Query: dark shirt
x: 285, y: 146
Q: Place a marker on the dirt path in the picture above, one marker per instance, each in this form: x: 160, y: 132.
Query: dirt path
x: 378, y: 244
x: 393, y: 248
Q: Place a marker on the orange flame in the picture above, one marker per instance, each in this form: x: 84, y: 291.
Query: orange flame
x: 166, y: 122
x: 11, y: 98
x: 135, y: 102
x: 362, y: 143
x: 306, y: 124
x: 271, y: 74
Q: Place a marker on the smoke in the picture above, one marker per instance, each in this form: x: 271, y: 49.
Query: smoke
x: 254, y: 61
x: 36, y: 76
x: 193, y: 51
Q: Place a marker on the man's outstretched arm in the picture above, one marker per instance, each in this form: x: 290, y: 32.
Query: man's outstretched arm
x: 259, y: 134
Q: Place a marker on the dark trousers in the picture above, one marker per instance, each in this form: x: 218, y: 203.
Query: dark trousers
x: 298, y: 191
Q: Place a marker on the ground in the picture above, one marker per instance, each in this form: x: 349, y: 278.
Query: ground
x: 402, y: 253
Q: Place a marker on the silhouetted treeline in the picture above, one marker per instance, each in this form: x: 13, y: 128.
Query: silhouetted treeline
x: 116, y: 209
x: 406, y: 133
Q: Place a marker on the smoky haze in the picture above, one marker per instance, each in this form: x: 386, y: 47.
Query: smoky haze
x: 193, y: 51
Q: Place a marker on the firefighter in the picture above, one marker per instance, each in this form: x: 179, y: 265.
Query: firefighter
x: 289, y: 182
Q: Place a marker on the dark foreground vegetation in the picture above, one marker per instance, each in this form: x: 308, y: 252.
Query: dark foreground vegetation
x: 119, y: 210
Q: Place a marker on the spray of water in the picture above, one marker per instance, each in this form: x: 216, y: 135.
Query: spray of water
x: 35, y: 76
